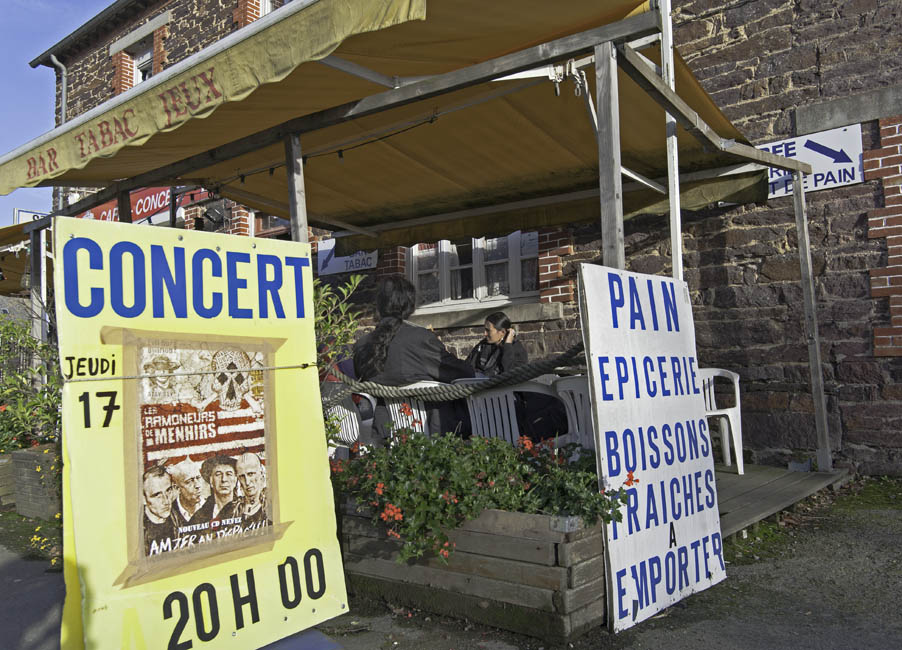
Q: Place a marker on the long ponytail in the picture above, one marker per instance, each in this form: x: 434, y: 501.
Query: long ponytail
x: 395, y: 301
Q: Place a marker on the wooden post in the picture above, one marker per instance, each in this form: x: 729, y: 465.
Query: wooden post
x: 824, y: 457
x: 609, y: 182
x: 673, y: 166
x: 125, y: 207
x: 297, y: 199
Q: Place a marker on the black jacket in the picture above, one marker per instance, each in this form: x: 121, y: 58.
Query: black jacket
x: 492, y: 359
x: 416, y: 354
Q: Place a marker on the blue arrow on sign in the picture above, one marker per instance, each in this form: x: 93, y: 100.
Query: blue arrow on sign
x: 837, y: 156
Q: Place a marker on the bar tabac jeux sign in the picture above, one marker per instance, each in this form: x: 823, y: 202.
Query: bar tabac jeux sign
x: 653, y: 441
x: 196, y: 494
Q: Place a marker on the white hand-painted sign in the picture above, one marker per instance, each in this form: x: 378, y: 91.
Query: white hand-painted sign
x: 653, y: 440
x: 834, y: 156
x: 328, y: 262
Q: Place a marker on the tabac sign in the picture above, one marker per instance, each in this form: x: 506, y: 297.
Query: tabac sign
x: 653, y: 441
x: 196, y: 495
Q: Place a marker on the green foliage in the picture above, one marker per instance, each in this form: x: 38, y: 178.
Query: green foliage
x: 336, y: 324
x: 30, y: 391
x: 420, y: 488
x: 335, y: 321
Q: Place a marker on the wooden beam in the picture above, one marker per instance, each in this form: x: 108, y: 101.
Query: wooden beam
x: 632, y: 64
x: 824, y: 457
x: 297, y: 195
x: 609, y: 174
x: 562, y: 48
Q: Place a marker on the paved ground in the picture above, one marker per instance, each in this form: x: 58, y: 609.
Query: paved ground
x: 833, y: 581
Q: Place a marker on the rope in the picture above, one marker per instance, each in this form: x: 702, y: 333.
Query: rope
x: 187, y: 373
x: 449, y: 392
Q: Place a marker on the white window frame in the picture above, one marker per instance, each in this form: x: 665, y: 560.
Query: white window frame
x: 480, y: 299
x: 143, y: 59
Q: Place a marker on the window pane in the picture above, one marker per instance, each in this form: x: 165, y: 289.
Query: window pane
x: 461, y: 252
x: 529, y: 274
x: 495, y: 249
x: 496, y: 282
x: 529, y: 244
x: 426, y: 256
x: 427, y: 288
x: 461, y: 284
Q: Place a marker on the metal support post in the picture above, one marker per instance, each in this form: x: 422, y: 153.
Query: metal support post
x: 609, y: 181
x: 173, y: 207
x: 670, y: 124
x: 824, y: 457
x: 297, y: 198
x: 37, y: 282
x: 125, y: 207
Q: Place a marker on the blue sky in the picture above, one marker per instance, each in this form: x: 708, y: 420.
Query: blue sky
x: 28, y: 28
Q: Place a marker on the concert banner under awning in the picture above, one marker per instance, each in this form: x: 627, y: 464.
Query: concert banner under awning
x: 197, y: 504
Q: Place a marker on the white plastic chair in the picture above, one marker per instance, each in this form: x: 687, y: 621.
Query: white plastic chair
x: 417, y: 418
x: 574, y: 393
x: 725, y: 417
x: 351, y: 425
x: 493, y: 412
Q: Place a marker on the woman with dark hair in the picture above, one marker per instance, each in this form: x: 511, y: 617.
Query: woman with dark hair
x: 499, y: 350
x: 540, y: 416
x: 398, y: 353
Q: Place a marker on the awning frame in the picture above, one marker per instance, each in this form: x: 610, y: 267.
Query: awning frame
x: 611, y: 45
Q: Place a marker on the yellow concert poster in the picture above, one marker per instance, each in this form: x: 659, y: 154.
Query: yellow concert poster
x: 198, y: 510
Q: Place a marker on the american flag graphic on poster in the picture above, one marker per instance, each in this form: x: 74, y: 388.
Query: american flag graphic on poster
x: 203, y: 445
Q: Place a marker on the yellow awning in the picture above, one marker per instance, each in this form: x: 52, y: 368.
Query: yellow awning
x: 497, y: 142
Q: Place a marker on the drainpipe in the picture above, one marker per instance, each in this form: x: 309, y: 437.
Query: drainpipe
x: 64, y: 76
x: 65, y: 82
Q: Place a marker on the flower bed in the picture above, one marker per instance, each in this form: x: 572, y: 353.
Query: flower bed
x: 478, y: 529
x: 539, y: 575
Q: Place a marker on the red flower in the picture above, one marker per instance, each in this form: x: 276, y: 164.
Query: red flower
x: 355, y: 447
x: 392, y: 533
x: 630, y: 479
x: 405, y: 409
x: 380, y: 487
x: 526, y: 443
x: 2, y: 407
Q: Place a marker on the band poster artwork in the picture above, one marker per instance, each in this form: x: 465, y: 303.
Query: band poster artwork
x: 202, y: 446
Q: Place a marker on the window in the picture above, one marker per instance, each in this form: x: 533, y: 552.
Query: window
x: 454, y: 273
x: 142, y: 57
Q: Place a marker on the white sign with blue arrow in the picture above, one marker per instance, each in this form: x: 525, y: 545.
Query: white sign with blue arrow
x: 834, y: 156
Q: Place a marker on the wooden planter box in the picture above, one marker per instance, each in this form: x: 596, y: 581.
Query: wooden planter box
x: 537, y: 575
x: 36, y: 495
x: 7, y: 480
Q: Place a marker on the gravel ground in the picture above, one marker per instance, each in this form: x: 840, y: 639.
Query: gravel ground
x: 830, y: 579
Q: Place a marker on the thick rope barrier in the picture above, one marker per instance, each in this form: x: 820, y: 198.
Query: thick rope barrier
x: 449, y: 392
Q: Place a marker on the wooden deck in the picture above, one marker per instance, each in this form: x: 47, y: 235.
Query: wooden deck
x: 763, y: 491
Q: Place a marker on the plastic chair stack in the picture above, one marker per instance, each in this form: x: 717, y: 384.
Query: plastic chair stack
x: 493, y: 412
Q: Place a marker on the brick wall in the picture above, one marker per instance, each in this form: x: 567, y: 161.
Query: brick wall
x: 553, y: 285
x: 885, y: 164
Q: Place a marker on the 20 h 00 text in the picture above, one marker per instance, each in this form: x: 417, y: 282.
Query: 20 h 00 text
x: 207, y: 623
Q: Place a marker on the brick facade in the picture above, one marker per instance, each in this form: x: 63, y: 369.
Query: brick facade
x: 759, y: 61
x: 885, y: 164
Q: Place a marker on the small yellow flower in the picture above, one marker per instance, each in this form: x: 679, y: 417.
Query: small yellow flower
x: 37, y: 529
x: 54, y: 561
x: 57, y: 515
x: 46, y: 451
x: 38, y: 468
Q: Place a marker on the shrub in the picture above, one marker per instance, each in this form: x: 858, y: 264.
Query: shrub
x: 420, y: 488
x: 30, y: 388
